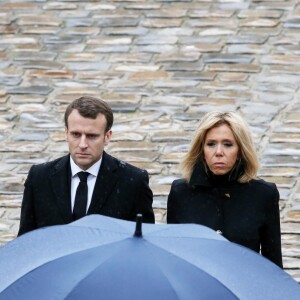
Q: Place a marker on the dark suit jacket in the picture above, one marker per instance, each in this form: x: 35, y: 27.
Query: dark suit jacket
x: 121, y: 191
x: 246, y: 213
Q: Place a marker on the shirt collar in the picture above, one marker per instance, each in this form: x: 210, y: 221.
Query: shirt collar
x: 94, y: 169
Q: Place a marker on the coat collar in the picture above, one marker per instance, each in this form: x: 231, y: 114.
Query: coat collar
x: 199, y: 176
x: 202, y: 176
x: 105, y: 182
x: 60, y: 179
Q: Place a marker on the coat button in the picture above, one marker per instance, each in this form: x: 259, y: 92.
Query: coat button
x: 219, y: 231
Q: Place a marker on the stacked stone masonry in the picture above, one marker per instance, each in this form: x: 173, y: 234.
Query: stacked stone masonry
x: 161, y: 65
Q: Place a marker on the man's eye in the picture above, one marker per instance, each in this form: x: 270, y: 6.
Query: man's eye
x: 91, y: 136
x: 75, y: 134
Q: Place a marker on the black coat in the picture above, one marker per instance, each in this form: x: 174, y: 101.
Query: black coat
x: 121, y: 191
x: 246, y: 213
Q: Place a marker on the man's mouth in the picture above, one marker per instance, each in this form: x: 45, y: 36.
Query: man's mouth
x: 82, y: 154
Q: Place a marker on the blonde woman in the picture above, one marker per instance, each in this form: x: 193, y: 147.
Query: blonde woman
x: 220, y: 188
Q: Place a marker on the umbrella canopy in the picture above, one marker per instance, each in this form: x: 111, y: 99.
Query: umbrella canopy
x: 98, y: 257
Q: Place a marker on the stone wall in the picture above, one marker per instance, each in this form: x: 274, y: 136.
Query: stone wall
x: 161, y: 65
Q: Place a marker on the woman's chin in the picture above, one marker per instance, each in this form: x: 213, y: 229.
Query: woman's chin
x: 219, y: 172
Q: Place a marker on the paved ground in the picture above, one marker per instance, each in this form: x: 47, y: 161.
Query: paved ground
x: 161, y: 65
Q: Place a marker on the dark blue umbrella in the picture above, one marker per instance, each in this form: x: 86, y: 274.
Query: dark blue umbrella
x: 99, y: 257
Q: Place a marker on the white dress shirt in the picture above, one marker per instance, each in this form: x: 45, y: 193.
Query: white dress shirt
x: 91, y: 180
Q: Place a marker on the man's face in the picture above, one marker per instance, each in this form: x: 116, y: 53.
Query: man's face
x: 86, y: 138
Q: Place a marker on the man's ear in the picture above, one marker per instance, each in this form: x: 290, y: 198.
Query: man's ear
x: 107, y: 137
x: 66, y: 133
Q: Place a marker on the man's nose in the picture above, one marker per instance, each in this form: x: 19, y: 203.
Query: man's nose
x: 83, y: 143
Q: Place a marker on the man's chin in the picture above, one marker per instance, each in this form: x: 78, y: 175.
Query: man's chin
x: 83, y: 163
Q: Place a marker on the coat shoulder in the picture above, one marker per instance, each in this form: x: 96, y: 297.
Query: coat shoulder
x: 267, y: 189
x: 124, y: 166
x: 262, y: 184
x: 47, y: 166
x: 38, y: 173
x: 179, y: 185
x: 179, y: 182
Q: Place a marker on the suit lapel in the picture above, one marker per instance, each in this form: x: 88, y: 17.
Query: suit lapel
x: 106, y: 180
x: 60, y: 178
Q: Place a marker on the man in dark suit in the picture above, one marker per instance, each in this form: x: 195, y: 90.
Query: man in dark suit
x: 113, y: 188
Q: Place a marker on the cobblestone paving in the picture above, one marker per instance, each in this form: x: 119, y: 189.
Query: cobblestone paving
x: 161, y: 65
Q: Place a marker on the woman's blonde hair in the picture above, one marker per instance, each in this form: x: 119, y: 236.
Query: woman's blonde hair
x: 242, y: 135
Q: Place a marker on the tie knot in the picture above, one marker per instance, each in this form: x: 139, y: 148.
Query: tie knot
x: 83, y: 176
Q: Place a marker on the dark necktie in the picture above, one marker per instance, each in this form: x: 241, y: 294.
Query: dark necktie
x: 81, y: 196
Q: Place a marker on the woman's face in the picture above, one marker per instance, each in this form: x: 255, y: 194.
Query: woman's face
x: 221, y: 150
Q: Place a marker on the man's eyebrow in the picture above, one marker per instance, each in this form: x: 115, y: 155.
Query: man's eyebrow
x: 74, y: 131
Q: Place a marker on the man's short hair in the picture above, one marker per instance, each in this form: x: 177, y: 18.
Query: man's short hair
x: 91, y: 107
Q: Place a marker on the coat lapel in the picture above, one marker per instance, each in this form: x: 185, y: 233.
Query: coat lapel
x: 60, y: 178
x: 106, y: 180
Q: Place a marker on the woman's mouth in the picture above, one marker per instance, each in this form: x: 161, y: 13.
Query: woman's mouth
x: 218, y: 164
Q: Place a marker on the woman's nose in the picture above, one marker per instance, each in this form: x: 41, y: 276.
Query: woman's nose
x: 219, y: 149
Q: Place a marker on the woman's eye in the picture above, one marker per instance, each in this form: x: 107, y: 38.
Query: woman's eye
x: 228, y: 145
x: 210, y: 144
